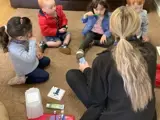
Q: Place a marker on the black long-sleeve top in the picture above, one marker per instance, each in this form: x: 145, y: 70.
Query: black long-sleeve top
x: 109, y: 100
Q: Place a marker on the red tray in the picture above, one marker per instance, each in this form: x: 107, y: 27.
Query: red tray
x: 157, y: 82
x: 54, y: 117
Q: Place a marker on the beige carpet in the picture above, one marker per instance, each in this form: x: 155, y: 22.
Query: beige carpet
x: 13, y: 97
x: 6, y: 11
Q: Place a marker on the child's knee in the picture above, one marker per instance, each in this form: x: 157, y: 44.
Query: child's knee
x: 109, y: 41
x: 45, y: 76
x: 68, y: 35
x: 46, y: 60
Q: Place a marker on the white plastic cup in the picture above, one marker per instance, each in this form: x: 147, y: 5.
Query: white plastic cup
x: 34, y: 105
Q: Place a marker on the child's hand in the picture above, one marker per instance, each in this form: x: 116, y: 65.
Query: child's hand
x: 39, y: 55
x: 145, y: 38
x: 62, y: 30
x: 90, y: 13
x: 83, y: 66
x: 103, y: 39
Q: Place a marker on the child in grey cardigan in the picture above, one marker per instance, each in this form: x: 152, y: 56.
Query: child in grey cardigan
x: 137, y: 5
x: 22, y: 51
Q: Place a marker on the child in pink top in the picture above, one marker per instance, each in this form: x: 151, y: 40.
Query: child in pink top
x: 96, y: 30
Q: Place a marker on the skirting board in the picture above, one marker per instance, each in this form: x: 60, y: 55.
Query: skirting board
x: 157, y: 7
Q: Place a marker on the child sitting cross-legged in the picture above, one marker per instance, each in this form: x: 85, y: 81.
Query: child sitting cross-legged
x: 96, y: 30
x: 53, y: 24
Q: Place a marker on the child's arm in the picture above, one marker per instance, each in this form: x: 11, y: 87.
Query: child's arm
x: 84, y: 18
x: 39, y: 53
x: 86, y: 15
x: 64, y: 19
x: 46, y: 29
x: 107, y: 33
x: 27, y: 56
x: 145, y: 22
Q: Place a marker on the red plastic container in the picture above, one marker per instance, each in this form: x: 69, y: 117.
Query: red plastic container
x: 158, y: 76
x: 54, y: 117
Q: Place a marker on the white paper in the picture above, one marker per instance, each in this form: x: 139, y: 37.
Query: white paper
x: 54, y: 96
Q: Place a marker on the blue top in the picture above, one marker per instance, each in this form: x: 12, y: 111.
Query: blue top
x: 144, y: 23
x: 23, y: 56
x: 90, y: 21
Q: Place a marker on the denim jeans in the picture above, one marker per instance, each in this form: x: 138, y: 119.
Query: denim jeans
x: 39, y: 75
x: 95, y: 38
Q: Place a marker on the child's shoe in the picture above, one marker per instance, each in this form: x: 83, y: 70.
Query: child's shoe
x: 17, y: 80
x: 79, y: 54
x: 65, y: 49
x: 43, y: 46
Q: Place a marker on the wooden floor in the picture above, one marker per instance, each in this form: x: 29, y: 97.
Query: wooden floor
x: 6, y: 11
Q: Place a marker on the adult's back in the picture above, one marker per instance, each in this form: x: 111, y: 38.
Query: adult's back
x: 120, y: 84
x: 118, y: 104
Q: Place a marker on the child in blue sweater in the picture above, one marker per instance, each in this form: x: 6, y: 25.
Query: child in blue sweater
x: 137, y: 5
x: 96, y: 30
x: 22, y: 50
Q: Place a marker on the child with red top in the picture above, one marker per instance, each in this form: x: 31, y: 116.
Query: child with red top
x: 53, y: 24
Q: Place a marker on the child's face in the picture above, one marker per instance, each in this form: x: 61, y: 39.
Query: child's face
x: 49, y: 8
x: 137, y: 8
x: 100, y: 10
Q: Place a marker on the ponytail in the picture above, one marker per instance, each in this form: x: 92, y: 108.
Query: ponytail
x: 131, y: 65
x: 4, y: 39
x: 133, y: 69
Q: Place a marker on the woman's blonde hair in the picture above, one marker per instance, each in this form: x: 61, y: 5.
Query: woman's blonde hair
x: 125, y: 22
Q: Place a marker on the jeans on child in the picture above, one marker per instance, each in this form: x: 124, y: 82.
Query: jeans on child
x: 39, y: 74
x: 95, y: 38
x: 59, y: 37
x: 134, y: 38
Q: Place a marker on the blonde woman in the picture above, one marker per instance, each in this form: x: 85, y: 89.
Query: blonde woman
x: 120, y: 84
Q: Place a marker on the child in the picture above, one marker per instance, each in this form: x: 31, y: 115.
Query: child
x: 137, y: 5
x: 22, y: 51
x: 53, y: 24
x: 96, y: 31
